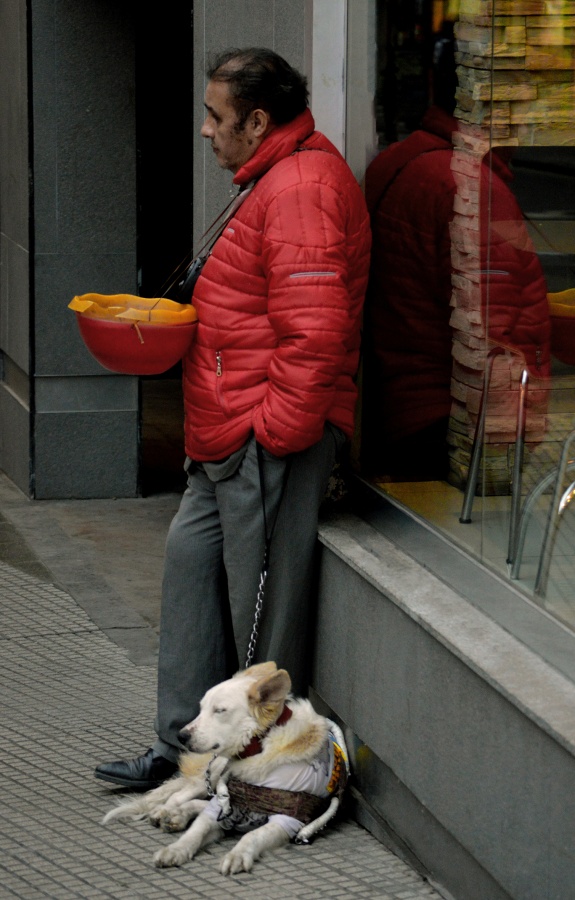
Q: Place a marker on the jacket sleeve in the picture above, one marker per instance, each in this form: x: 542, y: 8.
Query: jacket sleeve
x: 306, y: 261
x: 513, y: 284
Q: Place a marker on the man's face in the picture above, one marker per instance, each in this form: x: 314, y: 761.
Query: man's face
x: 231, y: 146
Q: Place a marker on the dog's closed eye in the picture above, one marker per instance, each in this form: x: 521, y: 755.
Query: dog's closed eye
x: 219, y: 710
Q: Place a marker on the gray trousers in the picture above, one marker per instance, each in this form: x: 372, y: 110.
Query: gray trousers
x: 214, y: 554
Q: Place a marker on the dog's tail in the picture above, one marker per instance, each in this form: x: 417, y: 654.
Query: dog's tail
x: 304, y: 834
x: 127, y: 810
x: 141, y: 806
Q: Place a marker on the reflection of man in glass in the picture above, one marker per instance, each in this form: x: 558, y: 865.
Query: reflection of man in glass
x: 410, y: 190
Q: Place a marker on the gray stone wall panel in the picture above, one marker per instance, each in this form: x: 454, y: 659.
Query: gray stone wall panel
x: 86, y: 455
x: 471, y: 723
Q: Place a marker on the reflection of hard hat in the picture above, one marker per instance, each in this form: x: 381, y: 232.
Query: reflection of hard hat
x: 134, y: 335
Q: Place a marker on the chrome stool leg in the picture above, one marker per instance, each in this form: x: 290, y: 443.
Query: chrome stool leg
x: 530, y: 501
x: 473, y: 473
x: 553, y: 519
x: 567, y: 498
x: 518, y: 467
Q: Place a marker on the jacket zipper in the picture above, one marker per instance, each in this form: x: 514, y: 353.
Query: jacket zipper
x: 538, y: 357
x: 220, y: 394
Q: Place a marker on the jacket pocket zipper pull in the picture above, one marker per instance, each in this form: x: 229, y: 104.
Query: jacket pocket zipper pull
x: 218, y: 364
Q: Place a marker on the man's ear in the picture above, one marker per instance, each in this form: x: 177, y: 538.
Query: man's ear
x: 260, y: 122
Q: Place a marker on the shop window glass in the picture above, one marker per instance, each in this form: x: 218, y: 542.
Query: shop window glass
x: 468, y: 400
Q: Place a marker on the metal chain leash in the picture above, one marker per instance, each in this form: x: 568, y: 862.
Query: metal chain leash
x: 258, y: 612
x: 210, y: 790
x: 267, y: 545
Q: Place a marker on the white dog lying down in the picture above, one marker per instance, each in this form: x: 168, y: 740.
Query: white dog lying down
x: 279, y: 770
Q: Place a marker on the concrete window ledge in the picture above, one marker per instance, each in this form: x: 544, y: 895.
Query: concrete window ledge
x: 465, y: 737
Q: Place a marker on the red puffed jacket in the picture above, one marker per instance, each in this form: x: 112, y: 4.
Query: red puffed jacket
x: 410, y: 190
x: 279, y: 303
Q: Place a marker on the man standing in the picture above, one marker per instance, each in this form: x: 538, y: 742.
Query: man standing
x: 269, y: 395
x: 411, y: 190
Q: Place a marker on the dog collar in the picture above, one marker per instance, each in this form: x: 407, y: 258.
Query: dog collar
x: 255, y: 745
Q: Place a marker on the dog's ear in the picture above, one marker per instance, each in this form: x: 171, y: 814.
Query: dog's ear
x: 259, y: 670
x: 271, y: 688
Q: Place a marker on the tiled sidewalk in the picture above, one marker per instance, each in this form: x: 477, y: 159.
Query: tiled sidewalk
x: 71, y: 698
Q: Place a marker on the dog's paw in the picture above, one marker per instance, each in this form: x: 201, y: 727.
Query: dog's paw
x: 156, y: 815
x: 251, y: 847
x: 223, y: 796
x: 171, y: 820
x: 224, y: 801
x: 172, y: 855
x: 237, y: 861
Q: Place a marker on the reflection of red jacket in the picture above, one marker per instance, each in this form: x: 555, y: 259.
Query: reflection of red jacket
x: 410, y: 192
x: 279, y: 303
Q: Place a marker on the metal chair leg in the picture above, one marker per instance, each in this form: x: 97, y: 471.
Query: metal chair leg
x: 473, y: 473
x: 516, y: 482
x: 553, y: 520
x: 530, y: 501
x: 567, y: 498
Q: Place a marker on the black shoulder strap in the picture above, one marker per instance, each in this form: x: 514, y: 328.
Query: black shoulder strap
x: 187, y: 269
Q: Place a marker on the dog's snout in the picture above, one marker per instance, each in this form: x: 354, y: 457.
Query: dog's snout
x: 184, y: 737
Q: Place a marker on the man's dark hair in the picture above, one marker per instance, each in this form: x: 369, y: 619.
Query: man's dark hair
x: 260, y: 79
x: 444, y: 75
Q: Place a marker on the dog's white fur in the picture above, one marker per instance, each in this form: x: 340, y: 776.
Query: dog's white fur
x: 231, y: 714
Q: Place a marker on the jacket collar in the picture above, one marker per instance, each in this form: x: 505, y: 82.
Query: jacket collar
x: 436, y: 133
x: 279, y: 143
x: 438, y: 122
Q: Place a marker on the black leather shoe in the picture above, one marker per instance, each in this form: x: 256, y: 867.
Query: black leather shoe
x: 144, y: 772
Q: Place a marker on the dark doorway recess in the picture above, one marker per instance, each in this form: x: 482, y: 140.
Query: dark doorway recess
x: 164, y: 130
